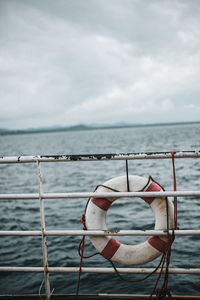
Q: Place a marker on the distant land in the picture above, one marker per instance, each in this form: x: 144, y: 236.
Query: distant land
x: 80, y: 127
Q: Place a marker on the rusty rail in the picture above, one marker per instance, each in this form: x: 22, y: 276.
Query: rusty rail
x: 43, y: 233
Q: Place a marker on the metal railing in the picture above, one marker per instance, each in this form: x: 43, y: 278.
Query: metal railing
x: 43, y: 233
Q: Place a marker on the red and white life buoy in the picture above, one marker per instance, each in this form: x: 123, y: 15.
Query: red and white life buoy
x: 109, y: 247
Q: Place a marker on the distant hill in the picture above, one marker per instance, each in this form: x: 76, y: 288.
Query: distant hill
x: 79, y: 127
x: 44, y: 129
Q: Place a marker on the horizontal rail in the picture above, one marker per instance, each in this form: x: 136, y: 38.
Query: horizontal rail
x: 146, y: 296
x: 96, y: 157
x: 100, y: 195
x: 99, y: 270
x: 194, y: 232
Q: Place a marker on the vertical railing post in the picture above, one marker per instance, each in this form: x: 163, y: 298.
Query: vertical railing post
x: 44, y: 238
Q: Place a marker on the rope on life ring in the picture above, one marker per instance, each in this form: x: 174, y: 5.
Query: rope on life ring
x: 112, y: 249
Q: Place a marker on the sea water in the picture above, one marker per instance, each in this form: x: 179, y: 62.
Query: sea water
x: 62, y: 214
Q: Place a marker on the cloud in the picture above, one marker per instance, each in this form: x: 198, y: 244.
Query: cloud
x: 192, y: 106
x: 98, y: 61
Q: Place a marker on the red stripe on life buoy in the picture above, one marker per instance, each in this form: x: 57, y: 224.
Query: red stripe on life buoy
x: 102, y: 203
x: 158, y: 244
x: 154, y: 187
x: 110, y: 249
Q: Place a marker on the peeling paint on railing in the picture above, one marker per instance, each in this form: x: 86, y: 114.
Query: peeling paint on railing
x: 96, y: 157
x: 43, y: 233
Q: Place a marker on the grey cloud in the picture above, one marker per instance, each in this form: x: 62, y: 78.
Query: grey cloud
x: 59, y: 57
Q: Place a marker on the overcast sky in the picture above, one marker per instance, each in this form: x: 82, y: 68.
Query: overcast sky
x: 67, y: 62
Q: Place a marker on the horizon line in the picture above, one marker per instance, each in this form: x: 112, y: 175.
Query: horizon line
x: 82, y: 126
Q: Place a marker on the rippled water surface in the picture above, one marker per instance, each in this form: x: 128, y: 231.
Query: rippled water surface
x: 84, y: 176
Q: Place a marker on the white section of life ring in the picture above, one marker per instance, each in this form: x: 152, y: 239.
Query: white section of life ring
x: 110, y: 248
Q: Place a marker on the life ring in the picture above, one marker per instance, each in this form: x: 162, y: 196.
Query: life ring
x: 112, y: 249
